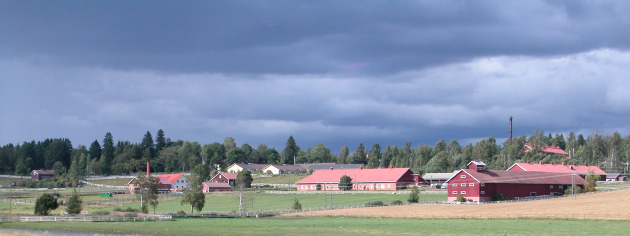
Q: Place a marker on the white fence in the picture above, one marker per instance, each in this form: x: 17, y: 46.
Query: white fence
x: 82, y: 218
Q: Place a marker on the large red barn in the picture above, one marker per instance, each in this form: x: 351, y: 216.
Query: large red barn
x: 362, y: 179
x: 478, y: 185
x: 581, y: 170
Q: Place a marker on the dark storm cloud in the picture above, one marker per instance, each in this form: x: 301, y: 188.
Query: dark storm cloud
x: 298, y: 37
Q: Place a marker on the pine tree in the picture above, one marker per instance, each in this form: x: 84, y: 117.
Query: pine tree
x: 160, y: 141
x: 108, y: 154
x: 75, y: 204
x: 290, y: 151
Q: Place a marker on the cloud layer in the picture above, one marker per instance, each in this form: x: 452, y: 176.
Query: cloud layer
x: 326, y: 72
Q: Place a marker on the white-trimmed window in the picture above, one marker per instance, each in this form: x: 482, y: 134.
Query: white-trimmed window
x: 382, y: 186
x: 483, y: 184
x: 462, y: 176
x: 483, y: 192
x: 471, y: 184
x: 551, y: 186
x: 455, y: 192
x: 463, y: 192
x: 455, y: 185
x: 462, y: 184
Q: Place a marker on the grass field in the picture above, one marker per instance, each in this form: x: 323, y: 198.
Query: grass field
x: 340, y: 226
x: 230, y: 202
x: 279, y: 179
x: 112, y: 182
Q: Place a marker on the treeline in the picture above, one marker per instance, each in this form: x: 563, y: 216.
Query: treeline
x: 610, y: 152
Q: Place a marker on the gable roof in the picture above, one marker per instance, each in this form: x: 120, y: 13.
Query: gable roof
x: 285, y: 167
x: 558, y: 168
x: 217, y: 185
x: 357, y: 175
x: 520, y: 177
x: 249, y: 166
x: 548, y: 149
x: 226, y: 175
x: 170, y: 177
x: 327, y: 166
x: 43, y: 172
x: 438, y: 176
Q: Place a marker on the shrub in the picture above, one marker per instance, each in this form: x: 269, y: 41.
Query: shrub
x: 461, y: 198
x: 131, y: 214
x: 413, y: 196
x: 181, y: 213
x: 296, y: 205
x: 499, y: 197
x: 375, y: 203
x: 45, y: 203
x: 396, y: 202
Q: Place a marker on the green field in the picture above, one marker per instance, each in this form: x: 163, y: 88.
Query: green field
x: 279, y: 179
x: 229, y: 202
x: 340, y: 226
x: 112, y: 182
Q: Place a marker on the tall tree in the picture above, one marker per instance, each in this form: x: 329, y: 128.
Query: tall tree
x: 343, y: 155
x: 108, y: 154
x: 290, y: 151
x: 193, y: 195
x: 45, y: 203
x: 229, y: 143
x: 374, y: 158
x: 345, y: 183
x: 160, y: 141
x: 95, y: 150
x: 359, y: 155
x: 320, y: 154
x: 75, y: 204
x: 147, y: 144
x: 244, y: 179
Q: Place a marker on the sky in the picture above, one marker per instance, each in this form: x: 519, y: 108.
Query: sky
x: 337, y: 73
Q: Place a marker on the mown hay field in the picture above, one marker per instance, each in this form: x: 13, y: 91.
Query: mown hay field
x: 603, y: 205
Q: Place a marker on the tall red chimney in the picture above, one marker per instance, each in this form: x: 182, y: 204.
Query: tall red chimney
x: 148, y: 169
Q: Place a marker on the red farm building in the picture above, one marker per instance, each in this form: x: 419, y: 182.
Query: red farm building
x: 37, y: 175
x: 386, y: 179
x: 581, y: 170
x: 479, y: 185
x: 547, y: 149
x: 215, y: 187
x: 225, y: 177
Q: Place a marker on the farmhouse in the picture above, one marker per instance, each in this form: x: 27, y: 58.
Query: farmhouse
x: 281, y: 169
x: 362, y: 179
x: 164, y: 186
x: 38, y: 175
x: 478, y: 185
x: 547, y: 149
x: 327, y: 166
x: 238, y: 167
x: 223, y: 177
x: 612, y: 177
x: 214, y: 187
x: 581, y: 170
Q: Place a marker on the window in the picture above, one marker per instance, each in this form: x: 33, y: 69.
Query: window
x: 532, y: 194
x: 455, y: 192
x: 463, y: 192
x: 483, y: 192
x: 455, y: 185
x: 551, y: 186
x: 463, y: 184
x: 382, y: 186
x: 471, y: 184
x: 462, y: 176
x: 482, y: 184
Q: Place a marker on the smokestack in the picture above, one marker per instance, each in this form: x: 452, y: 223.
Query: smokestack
x: 148, y: 169
x: 510, y: 130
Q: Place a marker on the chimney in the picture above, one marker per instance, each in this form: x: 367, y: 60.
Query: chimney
x: 148, y: 170
x: 540, y: 162
x: 391, y: 166
x: 360, y: 167
x: 527, y: 162
x: 331, y: 168
x: 563, y: 163
x: 585, y: 164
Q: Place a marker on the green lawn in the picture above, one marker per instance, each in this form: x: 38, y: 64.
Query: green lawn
x: 340, y: 226
x: 230, y: 202
x: 279, y: 179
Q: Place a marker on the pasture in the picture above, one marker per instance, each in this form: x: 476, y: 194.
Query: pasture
x: 339, y: 226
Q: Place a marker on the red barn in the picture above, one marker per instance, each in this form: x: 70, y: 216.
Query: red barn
x: 388, y: 179
x: 225, y: 177
x: 478, y: 185
x: 38, y: 175
x: 548, y: 149
x: 581, y: 170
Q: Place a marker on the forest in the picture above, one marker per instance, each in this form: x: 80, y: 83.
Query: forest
x: 611, y: 153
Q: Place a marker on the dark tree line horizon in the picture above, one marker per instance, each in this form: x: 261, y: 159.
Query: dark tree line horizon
x: 611, y: 153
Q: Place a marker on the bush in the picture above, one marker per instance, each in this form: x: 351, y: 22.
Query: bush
x: 45, y: 203
x: 413, y: 196
x: 181, y: 213
x: 296, y: 205
x: 499, y: 197
x: 375, y: 203
x: 396, y: 202
x: 461, y: 198
x: 131, y: 214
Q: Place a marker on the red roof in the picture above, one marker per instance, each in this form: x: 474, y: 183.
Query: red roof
x: 357, y: 175
x: 558, y: 168
x: 521, y: 177
x: 548, y: 149
x: 227, y: 175
x: 171, y: 177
